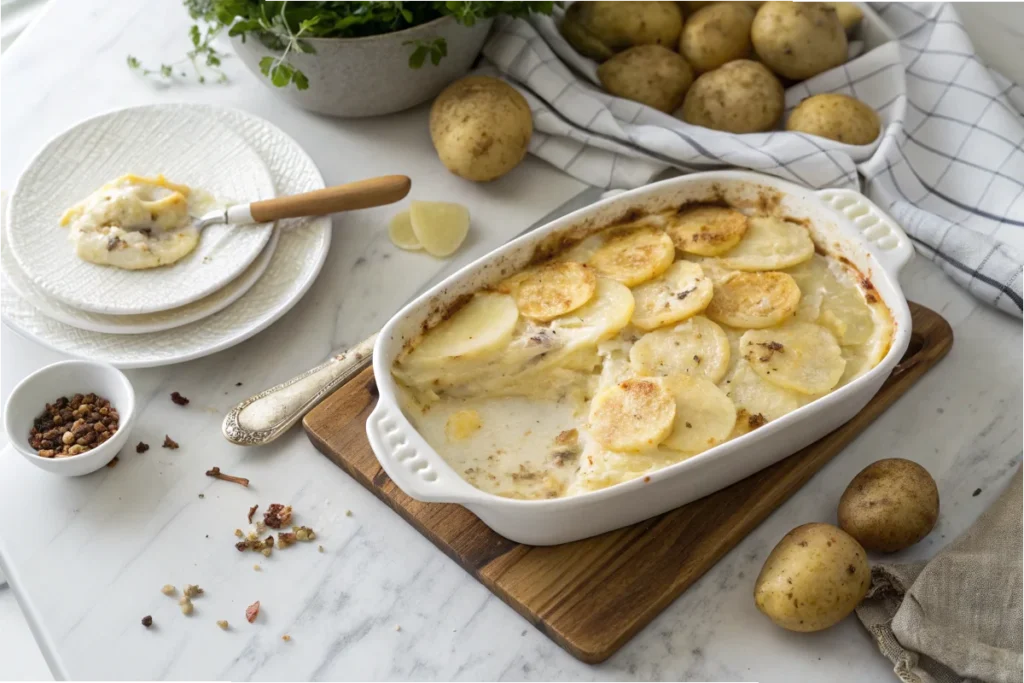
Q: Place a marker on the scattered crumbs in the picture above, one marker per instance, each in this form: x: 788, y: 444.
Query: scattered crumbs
x: 252, y: 511
x: 238, y: 384
x: 113, y: 463
x: 398, y: 627
x: 168, y: 589
x: 320, y: 548
x: 192, y: 590
x: 223, y: 624
x: 201, y: 495
x: 257, y: 568
x: 238, y: 532
x: 142, y: 447
x: 186, y: 606
x: 147, y: 621
x: 179, y: 399
x: 647, y: 480
x: 286, y: 637
x: 976, y: 492
x: 252, y: 611
x: 170, y: 443
x: 941, y: 411
x: 348, y: 513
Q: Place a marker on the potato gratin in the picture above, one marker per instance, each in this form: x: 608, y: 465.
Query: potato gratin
x: 636, y: 348
x: 135, y: 222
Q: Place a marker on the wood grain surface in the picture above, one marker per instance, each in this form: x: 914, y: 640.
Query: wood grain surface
x: 593, y: 595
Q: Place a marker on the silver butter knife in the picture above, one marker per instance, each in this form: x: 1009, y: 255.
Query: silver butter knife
x: 260, y: 419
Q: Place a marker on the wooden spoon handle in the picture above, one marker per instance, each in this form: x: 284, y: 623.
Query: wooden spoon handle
x: 358, y: 195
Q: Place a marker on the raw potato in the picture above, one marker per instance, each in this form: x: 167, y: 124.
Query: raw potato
x: 742, y: 96
x: 440, y: 227
x: 717, y: 34
x: 754, y: 300
x: 849, y: 14
x: 401, y: 233
x: 576, y: 33
x: 813, y: 578
x: 890, y: 505
x: 553, y: 289
x: 679, y: 293
x: 707, y: 230
x: 836, y: 117
x: 480, y: 127
x: 634, y: 415
x: 799, y: 39
x: 621, y: 25
x: 649, y: 74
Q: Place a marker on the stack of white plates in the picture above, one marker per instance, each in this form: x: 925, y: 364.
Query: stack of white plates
x: 238, y: 280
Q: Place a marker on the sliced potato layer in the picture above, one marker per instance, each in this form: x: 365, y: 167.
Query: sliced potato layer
x: 697, y: 347
x: 704, y: 414
x: 441, y: 227
x: 551, y: 290
x: 707, y: 230
x: 754, y: 300
x: 679, y: 293
x: 757, y: 398
x: 802, y: 357
x: 401, y: 233
x: 607, y: 312
x: 634, y: 256
x: 483, y: 325
x: 633, y: 415
x: 769, y: 244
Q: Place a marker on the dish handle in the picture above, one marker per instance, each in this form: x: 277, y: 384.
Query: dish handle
x: 410, y: 461
x: 890, y: 245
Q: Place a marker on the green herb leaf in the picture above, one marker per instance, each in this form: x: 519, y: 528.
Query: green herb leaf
x: 300, y: 80
x: 265, y: 65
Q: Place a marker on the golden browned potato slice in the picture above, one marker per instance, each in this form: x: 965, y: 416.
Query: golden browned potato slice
x: 633, y: 415
x: 769, y: 244
x: 707, y: 230
x: 649, y: 74
x: 754, y: 300
x: 679, y: 293
x: 704, y: 414
x: 696, y: 347
x: 802, y: 357
x: 553, y: 289
x: 635, y: 255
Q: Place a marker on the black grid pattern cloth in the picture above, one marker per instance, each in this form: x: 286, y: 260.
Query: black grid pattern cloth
x: 949, y: 165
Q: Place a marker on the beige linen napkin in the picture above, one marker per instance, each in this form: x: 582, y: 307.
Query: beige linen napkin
x: 957, y: 617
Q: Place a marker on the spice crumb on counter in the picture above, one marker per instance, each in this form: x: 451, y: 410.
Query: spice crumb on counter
x: 191, y: 590
x: 277, y: 515
x: 141, y: 447
x: 320, y: 548
x: 170, y: 443
x: 252, y: 511
x: 223, y: 624
x: 252, y: 611
x: 348, y: 513
x: 217, y: 474
x: 168, y: 589
x: 113, y: 463
x: 286, y: 637
x: 257, y: 568
x: 147, y: 621
x: 398, y: 627
x: 178, y: 399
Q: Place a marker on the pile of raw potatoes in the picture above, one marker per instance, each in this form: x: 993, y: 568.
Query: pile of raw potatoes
x: 722, y: 65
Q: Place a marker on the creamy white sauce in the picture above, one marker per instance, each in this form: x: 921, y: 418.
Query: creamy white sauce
x: 136, y: 222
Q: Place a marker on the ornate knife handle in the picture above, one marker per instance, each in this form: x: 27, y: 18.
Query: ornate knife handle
x: 260, y: 419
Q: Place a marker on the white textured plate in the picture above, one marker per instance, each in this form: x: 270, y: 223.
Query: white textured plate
x: 132, y: 324
x: 181, y: 141
x: 300, y: 254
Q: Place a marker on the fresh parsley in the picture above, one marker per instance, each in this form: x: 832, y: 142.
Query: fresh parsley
x: 282, y: 26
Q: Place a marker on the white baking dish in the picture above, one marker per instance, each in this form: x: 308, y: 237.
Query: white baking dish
x: 843, y: 221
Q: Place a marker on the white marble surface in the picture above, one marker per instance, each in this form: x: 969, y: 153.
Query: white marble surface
x: 86, y: 557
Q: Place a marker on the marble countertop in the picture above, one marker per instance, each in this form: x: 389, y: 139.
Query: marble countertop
x: 86, y: 557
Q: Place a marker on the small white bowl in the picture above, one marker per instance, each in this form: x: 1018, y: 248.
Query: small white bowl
x: 29, y: 399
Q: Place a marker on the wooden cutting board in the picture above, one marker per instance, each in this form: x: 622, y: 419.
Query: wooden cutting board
x: 592, y: 596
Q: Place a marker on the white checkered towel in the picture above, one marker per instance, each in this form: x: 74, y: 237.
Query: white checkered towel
x: 949, y: 165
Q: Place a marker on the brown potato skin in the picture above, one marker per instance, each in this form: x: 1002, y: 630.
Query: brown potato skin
x: 620, y: 25
x: 798, y: 40
x: 649, y: 74
x: 480, y: 127
x: 742, y: 96
x: 890, y: 505
x: 836, y: 117
x: 813, y: 578
x: 717, y: 34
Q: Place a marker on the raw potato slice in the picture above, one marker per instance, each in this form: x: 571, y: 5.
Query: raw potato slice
x: 756, y: 397
x: 401, y: 234
x: 551, y: 290
x: 483, y: 325
x: 770, y: 244
x: 707, y: 230
x: 607, y: 312
x: 634, y: 256
x: 441, y: 227
x: 754, y: 300
x: 697, y: 347
x: 679, y: 293
x: 802, y: 357
x: 704, y: 414
x: 632, y: 416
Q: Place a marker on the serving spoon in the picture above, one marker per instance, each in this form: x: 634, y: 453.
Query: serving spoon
x: 362, y: 194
